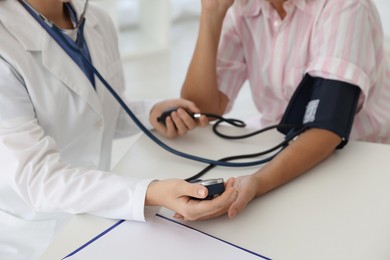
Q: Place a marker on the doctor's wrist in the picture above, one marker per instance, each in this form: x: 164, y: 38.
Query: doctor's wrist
x: 152, y: 195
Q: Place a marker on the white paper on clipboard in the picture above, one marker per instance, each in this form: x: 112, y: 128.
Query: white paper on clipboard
x: 159, y: 238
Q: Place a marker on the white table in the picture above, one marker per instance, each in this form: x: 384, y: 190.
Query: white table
x: 339, y: 210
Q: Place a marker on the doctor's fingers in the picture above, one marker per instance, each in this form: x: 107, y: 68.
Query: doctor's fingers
x: 184, y: 120
x: 186, y: 105
x: 173, y: 127
x: 189, y: 121
x: 207, y: 209
x: 203, y: 121
x: 168, y: 130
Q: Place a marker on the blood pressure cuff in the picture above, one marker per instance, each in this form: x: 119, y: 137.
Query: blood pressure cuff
x: 322, y: 103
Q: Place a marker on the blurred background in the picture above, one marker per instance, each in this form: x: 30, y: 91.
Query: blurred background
x: 157, y: 39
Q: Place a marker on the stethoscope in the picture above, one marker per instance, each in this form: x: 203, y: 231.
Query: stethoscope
x: 59, y: 37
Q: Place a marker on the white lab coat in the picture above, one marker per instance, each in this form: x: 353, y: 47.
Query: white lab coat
x: 56, y: 132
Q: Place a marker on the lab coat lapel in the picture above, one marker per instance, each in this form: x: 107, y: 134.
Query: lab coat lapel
x: 54, y: 58
x: 96, y: 50
x: 57, y: 61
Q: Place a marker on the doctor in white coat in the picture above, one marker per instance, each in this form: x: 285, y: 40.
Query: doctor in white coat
x: 56, y: 132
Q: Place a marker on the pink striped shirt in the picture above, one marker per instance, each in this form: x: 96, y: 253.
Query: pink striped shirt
x: 341, y: 40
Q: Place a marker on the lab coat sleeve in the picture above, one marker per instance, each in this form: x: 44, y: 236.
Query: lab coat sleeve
x: 32, y: 165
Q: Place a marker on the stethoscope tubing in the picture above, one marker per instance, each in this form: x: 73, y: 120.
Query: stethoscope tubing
x: 223, y: 162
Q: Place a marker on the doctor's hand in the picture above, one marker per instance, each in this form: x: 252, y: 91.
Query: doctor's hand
x: 185, y: 199
x: 180, y: 121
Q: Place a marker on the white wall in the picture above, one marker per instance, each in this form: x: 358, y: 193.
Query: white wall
x: 126, y: 11
x: 384, y: 12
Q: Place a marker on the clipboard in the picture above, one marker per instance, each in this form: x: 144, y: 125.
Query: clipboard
x: 159, y: 238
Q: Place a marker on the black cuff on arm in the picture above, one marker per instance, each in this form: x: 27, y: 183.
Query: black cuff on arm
x: 325, y: 104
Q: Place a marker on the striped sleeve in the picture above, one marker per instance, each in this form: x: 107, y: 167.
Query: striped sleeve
x: 346, y: 44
